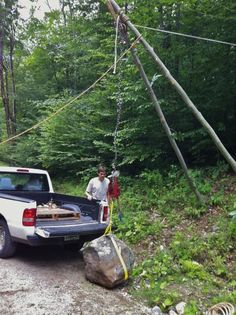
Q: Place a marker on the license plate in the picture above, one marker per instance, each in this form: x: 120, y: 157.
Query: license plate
x: 71, y: 238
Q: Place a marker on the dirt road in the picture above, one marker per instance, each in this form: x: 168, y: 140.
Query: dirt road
x: 51, y: 281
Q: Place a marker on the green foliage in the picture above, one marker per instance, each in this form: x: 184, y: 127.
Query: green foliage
x: 193, y: 250
x: 194, y: 212
x: 232, y: 229
x: 156, y: 267
x: 72, y: 188
x: 61, y: 55
x: 194, y: 270
x: 137, y: 226
x: 192, y: 308
x: 233, y: 214
x: 219, y: 266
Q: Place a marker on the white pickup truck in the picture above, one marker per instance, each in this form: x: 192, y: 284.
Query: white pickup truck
x: 31, y: 213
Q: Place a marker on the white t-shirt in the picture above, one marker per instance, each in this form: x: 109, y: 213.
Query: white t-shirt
x: 98, y: 189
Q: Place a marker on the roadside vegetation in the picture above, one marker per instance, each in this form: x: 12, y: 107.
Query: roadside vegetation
x: 184, y: 252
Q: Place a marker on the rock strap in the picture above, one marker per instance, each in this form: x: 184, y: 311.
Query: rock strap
x: 118, y: 251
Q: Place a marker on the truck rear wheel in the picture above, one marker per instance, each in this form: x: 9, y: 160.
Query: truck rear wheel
x: 7, y: 246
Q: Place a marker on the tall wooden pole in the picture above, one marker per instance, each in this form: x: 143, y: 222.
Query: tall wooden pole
x: 165, y: 124
x: 176, y: 86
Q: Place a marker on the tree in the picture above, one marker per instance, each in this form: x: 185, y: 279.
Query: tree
x: 8, y: 20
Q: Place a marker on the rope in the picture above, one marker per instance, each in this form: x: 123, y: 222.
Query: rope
x: 118, y: 111
x: 109, y: 227
x: 223, y: 308
x: 74, y: 99
x: 108, y: 233
x: 118, y: 251
x: 186, y: 35
x: 116, y: 39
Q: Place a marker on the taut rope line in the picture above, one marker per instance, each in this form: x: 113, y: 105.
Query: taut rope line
x: 187, y: 35
x: 74, y: 99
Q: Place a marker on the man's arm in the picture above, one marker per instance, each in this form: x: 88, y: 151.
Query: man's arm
x: 88, y: 191
x: 89, y: 196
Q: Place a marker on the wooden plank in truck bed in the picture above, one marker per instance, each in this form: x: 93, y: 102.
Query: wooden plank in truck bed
x: 56, y: 213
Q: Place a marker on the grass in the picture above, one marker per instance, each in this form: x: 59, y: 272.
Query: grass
x: 184, y: 252
x: 3, y: 163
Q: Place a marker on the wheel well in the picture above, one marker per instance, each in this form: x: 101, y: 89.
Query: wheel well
x: 2, y: 218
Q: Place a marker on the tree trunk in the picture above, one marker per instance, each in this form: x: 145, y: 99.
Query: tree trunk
x: 13, y: 85
x: 178, y: 88
x: 62, y: 4
x: 5, y: 99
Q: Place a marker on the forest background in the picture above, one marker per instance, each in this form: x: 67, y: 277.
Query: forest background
x: 46, y: 63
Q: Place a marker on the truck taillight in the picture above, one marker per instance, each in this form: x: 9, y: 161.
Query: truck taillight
x: 105, y: 213
x: 29, y: 217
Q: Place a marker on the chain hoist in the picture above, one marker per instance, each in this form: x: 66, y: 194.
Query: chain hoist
x: 114, y: 189
x: 121, y: 39
x: 119, y: 105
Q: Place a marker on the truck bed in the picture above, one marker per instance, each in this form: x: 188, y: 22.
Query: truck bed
x: 87, y: 208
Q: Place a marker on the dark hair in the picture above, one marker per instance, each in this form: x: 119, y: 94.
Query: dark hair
x: 101, y: 168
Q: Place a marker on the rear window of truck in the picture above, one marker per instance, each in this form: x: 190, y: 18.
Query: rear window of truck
x: 23, y: 182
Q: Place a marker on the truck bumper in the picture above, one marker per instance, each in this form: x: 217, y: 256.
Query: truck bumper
x: 40, y: 241
x: 51, y: 231
x: 51, y: 235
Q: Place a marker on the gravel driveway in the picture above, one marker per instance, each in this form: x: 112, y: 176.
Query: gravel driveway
x: 51, y: 281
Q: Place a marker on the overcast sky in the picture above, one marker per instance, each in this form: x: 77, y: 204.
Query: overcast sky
x: 41, y: 5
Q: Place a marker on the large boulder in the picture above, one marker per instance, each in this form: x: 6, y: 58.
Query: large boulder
x: 102, y: 263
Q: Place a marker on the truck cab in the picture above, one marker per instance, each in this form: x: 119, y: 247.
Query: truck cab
x: 24, y: 179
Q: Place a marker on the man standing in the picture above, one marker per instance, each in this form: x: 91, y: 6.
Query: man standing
x: 98, y: 186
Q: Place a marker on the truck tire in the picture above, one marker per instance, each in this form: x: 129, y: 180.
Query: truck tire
x: 7, y: 246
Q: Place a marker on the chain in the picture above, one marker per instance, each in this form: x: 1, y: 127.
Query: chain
x: 119, y: 104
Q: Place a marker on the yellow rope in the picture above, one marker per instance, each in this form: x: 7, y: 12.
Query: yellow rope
x: 73, y: 100
x: 109, y: 227
x: 118, y: 251
x: 108, y: 232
